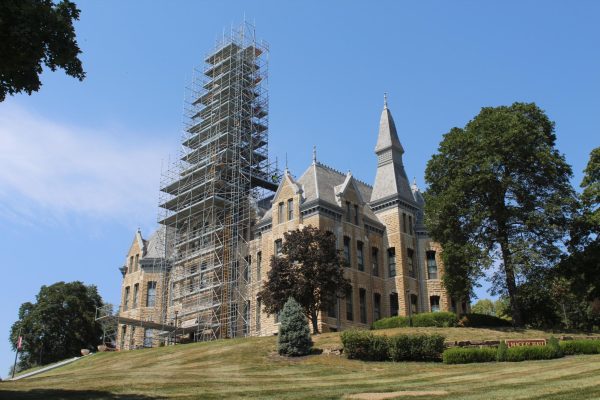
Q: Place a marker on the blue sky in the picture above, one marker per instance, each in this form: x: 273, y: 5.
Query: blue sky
x: 80, y: 161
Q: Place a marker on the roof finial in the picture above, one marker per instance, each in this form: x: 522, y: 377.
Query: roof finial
x: 314, y: 154
x: 384, y: 99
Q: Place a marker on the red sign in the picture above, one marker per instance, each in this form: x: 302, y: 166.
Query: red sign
x: 20, y: 343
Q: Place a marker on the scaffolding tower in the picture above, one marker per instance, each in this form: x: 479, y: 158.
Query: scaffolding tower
x: 210, y: 194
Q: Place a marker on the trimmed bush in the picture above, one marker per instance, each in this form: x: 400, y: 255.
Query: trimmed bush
x: 416, y: 347
x: 460, y: 355
x: 363, y: 345
x: 571, y: 347
x: 391, y: 322
x: 501, y: 352
x: 435, y: 319
x: 482, y: 320
x: 294, y: 335
x: 524, y: 353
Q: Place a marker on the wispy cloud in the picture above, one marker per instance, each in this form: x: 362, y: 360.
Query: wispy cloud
x: 50, y: 170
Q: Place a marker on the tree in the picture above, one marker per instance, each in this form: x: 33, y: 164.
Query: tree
x: 294, y: 335
x: 33, y: 32
x: 499, y: 195
x: 484, y: 306
x: 310, y: 270
x: 58, y: 325
x: 581, y: 266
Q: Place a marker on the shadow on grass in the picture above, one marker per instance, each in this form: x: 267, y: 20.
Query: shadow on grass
x: 57, y: 394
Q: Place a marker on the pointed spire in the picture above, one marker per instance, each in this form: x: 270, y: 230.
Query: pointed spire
x: 314, y: 155
x: 286, y: 163
x: 388, y: 137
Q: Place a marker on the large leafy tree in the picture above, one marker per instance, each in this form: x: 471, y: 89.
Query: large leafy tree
x: 499, y: 196
x: 32, y: 33
x: 310, y: 270
x: 582, y: 265
x: 58, y: 325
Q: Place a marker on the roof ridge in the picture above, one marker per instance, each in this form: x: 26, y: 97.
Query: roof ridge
x: 343, y: 174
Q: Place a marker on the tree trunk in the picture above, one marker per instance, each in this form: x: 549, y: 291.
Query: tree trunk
x: 314, y: 317
x: 511, y: 285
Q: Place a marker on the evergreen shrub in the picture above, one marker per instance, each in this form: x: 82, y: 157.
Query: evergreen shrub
x: 435, y: 319
x: 294, y: 334
x: 572, y: 347
x: 391, y: 322
x: 474, y: 320
x: 416, y: 347
x: 363, y: 345
x: 466, y: 355
x: 502, y: 350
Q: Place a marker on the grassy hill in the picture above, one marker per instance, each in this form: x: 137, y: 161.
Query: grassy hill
x: 250, y: 368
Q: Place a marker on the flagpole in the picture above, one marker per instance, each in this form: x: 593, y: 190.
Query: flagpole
x: 17, y: 353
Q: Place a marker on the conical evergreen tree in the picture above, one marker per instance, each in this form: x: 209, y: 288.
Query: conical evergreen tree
x: 294, y: 334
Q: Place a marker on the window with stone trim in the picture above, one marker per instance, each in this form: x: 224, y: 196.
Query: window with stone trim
x: 136, y: 290
x: 151, y: 294
x: 362, y: 302
x: 434, y: 303
x: 136, y: 264
x: 414, y: 301
x: 394, y: 304
x: 410, y: 258
x: 258, y: 266
x: 355, y: 214
x: 348, y: 214
x: 258, y: 306
x: 347, y: 251
x: 126, y: 298
x: 375, y: 261
x: 391, y: 262
x: 432, y: 269
x: 278, y: 247
x: 404, y: 223
x: 376, y: 307
x: 410, y: 224
x: 280, y: 213
x: 349, y: 305
x: 290, y: 209
x: 148, y: 337
x: 360, y: 257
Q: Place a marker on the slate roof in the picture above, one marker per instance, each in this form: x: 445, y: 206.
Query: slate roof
x: 155, y: 246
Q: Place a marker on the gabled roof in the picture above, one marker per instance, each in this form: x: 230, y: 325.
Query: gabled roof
x: 160, y: 244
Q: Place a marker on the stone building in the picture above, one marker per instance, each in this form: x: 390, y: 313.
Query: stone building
x: 394, y: 267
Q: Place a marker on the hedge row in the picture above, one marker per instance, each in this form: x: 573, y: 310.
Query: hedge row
x: 434, y: 319
x: 572, y: 347
x: 442, y: 320
x: 364, y: 345
x: 457, y: 355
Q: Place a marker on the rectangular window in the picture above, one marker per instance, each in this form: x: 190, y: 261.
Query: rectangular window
x: 362, y: 301
x: 434, y: 302
x: 131, y: 264
x: 360, y: 256
x: 136, y: 289
x: 431, y: 265
x: 136, y: 264
x: 393, y: 304
x: 148, y: 337
x: 126, y: 299
x: 355, y: 214
x: 414, y: 299
x: 278, y: 247
x: 410, y: 256
x: 258, y: 266
x: 280, y: 213
x: 349, y: 305
x: 375, y: 261
x: 151, y: 298
x: 290, y: 205
x: 347, y: 250
x: 392, y: 262
x: 404, y: 222
x: 410, y: 224
x: 376, y: 307
x: 247, y: 268
x: 258, y: 305
x: 246, y: 328
x: 348, y: 214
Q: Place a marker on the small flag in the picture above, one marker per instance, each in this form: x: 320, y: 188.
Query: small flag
x: 20, y: 343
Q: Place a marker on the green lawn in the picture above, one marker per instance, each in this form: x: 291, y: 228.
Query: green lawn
x: 250, y: 368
